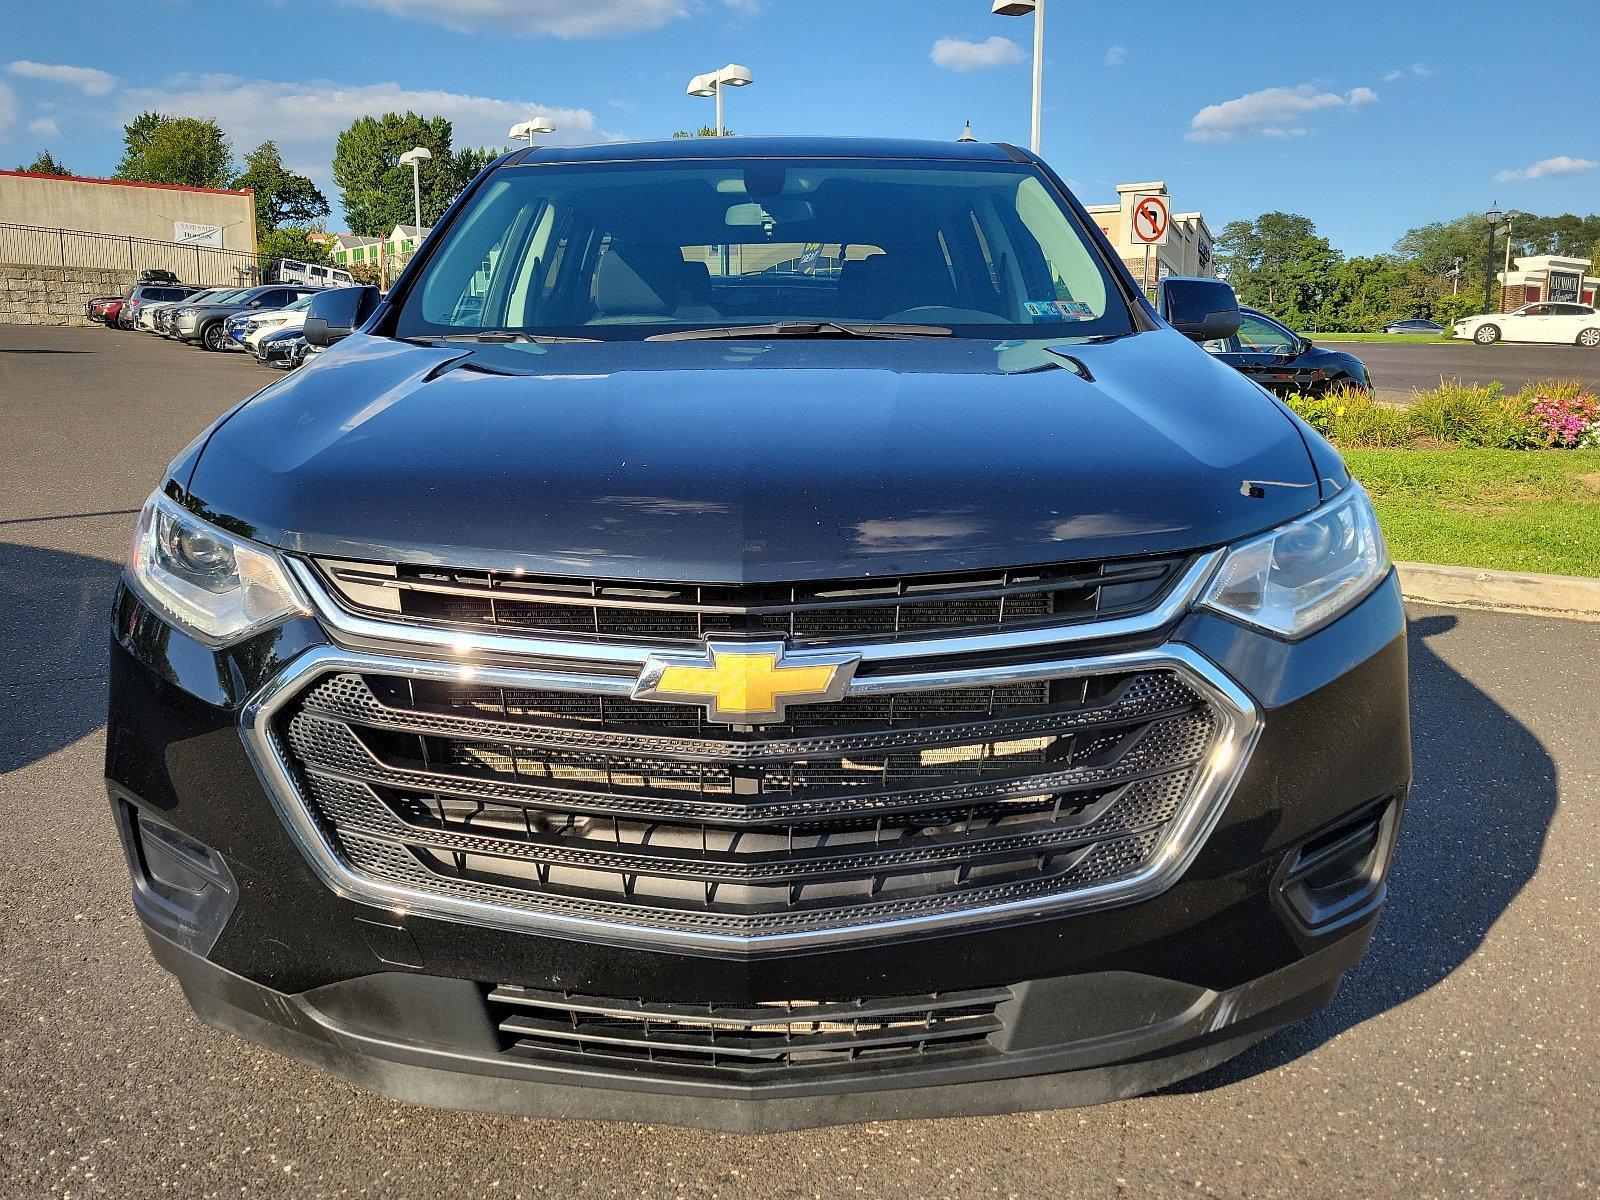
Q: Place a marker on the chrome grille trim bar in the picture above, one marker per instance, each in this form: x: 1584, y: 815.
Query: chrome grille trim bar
x: 354, y: 631
x: 1238, y: 717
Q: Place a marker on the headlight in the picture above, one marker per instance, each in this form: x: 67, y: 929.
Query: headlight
x: 1304, y: 574
x: 216, y: 586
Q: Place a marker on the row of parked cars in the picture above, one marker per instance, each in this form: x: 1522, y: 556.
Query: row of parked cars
x: 264, y: 320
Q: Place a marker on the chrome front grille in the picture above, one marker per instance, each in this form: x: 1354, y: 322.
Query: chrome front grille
x: 479, y: 791
x: 826, y: 612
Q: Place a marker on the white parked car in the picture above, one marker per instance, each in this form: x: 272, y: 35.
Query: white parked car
x: 1547, y: 321
x: 290, y: 316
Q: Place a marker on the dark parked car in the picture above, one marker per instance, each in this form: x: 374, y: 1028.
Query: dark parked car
x: 281, y: 349
x: 1285, y: 363
x: 665, y: 695
x: 203, y: 323
x: 1414, y: 325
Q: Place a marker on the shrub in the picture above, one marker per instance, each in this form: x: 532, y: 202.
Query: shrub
x: 1471, y: 416
x: 1351, y: 418
x: 1475, y: 416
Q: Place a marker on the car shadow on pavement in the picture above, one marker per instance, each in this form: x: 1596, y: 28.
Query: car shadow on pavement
x: 55, y: 626
x: 1473, y: 833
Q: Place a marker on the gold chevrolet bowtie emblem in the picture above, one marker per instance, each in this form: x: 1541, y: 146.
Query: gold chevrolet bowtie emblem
x: 746, y: 683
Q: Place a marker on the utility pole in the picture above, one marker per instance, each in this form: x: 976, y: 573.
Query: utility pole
x: 1493, y: 218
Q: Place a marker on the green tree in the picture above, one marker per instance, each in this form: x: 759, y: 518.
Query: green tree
x: 1279, y: 264
x: 45, y: 164
x: 192, y: 151
x: 469, y: 161
x: 703, y: 131
x: 375, y: 189
x: 283, y: 197
x: 287, y: 241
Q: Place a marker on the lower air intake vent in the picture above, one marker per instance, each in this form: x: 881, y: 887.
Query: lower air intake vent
x: 777, y: 1037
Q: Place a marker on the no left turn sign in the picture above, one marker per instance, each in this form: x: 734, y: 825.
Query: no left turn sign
x: 1152, y: 221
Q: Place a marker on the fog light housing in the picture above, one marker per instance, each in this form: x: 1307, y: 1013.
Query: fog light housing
x: 1339, y: 874
x: 180, y: 887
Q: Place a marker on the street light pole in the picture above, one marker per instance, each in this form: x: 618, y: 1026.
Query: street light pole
x: 1493, y: 217
x: 712, y: 83
x: 527, y: 129
x: 1038, y: 74
x: 416, y: 158
x: 1506, y: 273
x: 1021, y: 8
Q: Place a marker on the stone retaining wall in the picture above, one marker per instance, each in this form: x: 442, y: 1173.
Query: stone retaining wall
x: 54, y: 295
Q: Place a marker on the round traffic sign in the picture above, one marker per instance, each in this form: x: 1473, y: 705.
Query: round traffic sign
x: 1150, y: 219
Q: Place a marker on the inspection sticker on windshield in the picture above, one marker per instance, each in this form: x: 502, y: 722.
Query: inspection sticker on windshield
x: 1059, y: 310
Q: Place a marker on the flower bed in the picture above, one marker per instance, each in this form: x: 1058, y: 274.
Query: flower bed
x: 1542, y: 416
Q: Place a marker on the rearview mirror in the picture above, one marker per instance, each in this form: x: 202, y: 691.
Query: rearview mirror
x: 335, y: 314
x: 780, y: 210
x: 1203, y: 310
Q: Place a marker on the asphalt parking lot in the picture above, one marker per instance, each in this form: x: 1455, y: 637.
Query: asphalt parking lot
x: 1400, y: 368
x: 1459, y: 1059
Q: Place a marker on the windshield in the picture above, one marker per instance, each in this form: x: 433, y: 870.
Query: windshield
x: 628, y: 250
x: 215, y: 297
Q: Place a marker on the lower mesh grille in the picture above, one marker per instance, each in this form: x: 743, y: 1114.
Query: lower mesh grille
x: 641, y: 814
x: 781, y: 1037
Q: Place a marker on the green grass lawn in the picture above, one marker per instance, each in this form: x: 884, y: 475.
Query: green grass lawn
x: 1511, y: 510
x: 1430, y: 339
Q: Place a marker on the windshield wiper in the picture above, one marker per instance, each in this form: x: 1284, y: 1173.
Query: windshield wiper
x: 802, y: 329
x: 493, y: 337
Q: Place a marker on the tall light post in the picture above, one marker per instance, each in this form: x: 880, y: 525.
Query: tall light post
x: 527, y: 129
x: 1493, y: 218
x: 712, y: 83
x: 416, y: 158
x: 1021, y: 8
x: 1511, y: 215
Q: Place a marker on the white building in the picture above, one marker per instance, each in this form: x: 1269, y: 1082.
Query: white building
x: 1188, y: 247
x: 1547, y: 277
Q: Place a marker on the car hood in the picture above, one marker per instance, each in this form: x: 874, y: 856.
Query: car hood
x: 746, y: 461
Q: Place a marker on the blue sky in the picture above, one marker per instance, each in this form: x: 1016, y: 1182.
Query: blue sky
x: 1368, y: 117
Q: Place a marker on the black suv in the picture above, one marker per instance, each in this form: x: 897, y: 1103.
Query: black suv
x: 758, y: 633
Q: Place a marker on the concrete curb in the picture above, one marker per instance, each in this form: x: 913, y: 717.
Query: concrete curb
x: 1573, y: 596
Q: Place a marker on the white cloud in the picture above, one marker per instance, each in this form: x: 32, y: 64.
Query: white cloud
x: 1417, y: 70
x: 88, y: 80
x: 562, y: 18
x: 1562, y: 164
x: 1116, y: 56
x: 307, y: 117
x: 956, y: 54
x: 1271, y: 112
x: 8, y: 111
x: 43, y: 127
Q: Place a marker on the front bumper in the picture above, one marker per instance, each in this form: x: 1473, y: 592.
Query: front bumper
x: 1097, y: 1005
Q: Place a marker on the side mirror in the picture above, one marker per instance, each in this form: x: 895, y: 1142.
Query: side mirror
x: 335, y: 314
x: 1203, y: 310
x: 1304, y: 345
